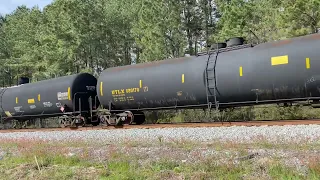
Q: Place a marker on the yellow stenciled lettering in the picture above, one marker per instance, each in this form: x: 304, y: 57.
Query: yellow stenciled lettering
x: 125, y: 91
x: 132, y: 90
x: 118, y: 91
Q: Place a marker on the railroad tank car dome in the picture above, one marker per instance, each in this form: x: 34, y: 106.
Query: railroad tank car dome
x: 23, y: 80
x: 236, y: 41
x: 221, y: 45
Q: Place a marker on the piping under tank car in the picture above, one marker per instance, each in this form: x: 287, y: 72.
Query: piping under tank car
x: 233, y: 74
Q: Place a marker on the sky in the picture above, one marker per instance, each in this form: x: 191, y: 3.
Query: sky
x: 7, y: 6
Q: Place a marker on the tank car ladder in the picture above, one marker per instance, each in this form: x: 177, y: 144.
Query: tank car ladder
x: 211, y: 67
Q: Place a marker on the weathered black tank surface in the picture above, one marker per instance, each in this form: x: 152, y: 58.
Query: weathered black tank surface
x: 165, y: 83
x: 277, y: 71
x: 47, y: 97
x: 271, y: 72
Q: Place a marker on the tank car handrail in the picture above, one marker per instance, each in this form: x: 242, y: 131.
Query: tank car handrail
x: 232, y: 48
x: 74, y: 99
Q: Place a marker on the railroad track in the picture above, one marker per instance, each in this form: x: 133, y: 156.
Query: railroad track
x: 177, y: 125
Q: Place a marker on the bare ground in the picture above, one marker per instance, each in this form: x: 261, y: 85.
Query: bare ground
x: 175, y: 159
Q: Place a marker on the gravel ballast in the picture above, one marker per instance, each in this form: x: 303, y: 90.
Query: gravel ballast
x: 240, y: 134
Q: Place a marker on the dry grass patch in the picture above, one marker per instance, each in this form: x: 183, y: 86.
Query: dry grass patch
x: 170, y: 159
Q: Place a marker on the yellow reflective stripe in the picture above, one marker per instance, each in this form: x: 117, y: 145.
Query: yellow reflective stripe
x: 140, y: 83
x: 182, y: 78
x: 278, y: 60
x: 17, y: 100
x: 101, y: 88
x: 69, y: 93
x: 30, y: 101
x: 308, y: 63
x: 240, y: 71
x: 39, y: 97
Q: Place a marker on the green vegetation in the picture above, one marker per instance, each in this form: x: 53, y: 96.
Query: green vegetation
x: 88, y: 36
x: 27, y: 159
x: 262, y: 112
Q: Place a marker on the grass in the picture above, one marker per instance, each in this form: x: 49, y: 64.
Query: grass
x: 173, y: 159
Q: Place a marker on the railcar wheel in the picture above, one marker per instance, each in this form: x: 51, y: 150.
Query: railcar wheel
x: 63, y: 122
x: 95, y: 121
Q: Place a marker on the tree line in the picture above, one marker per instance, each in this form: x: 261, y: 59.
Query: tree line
x: 71, y: 36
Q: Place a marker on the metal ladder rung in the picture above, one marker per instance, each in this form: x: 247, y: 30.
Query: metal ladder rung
x: 208, y: 78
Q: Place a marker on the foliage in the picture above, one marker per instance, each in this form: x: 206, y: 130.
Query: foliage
x: 88, y: 36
